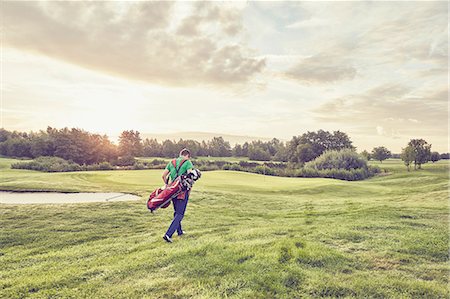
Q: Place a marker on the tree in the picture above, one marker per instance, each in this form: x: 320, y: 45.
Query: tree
x: 422, y: 152
x: 281, y: 154
x: 169, y: 149
x: 318, y: 142
x: 42, y: 145
x: 219, y: 148
x: 366, y: 155
x: 17, y: 147
x: 408, y: 156
x: 151, y: 148
x: 305, y: 153
x: 192, y: 145
x: 258, y: 154
x: 445, y: 156
x: 130, y: 144
x: 237, y: 150
x: 435, y: 156
x: 381, y: 153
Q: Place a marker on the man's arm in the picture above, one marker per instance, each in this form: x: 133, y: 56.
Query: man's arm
x: 165, y: 176
x: 190, y: 167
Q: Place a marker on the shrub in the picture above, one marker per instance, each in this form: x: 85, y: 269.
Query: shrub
x: 226, y: 166
x: 126, y: 161
x: 100, y: 166
x: 344, y: 159
x: 138, y: 165
x: 342, y: 165
x: 208, y: 167
x: 247, y: 164
x: 264, y: 170
x: 235, y: 167
x: 158, y: 162
x: 48, y: 164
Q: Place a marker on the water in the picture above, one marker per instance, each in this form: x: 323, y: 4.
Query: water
x: 62, y: 198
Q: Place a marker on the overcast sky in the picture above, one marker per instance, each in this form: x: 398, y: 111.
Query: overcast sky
x: 375, y: 70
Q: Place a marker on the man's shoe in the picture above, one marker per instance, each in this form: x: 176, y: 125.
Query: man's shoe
x: 182, y: 234
x: 167, y: 239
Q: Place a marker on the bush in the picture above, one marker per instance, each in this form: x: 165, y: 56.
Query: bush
x: 100, y: 166
x: 344, y: 159
x: 158, y: 162
x: 138, y: 165
x: 126, y: 161
x: 248, y: 164
x: 342, y: 165
x: 235, y: 167
x: 48, y: 164
x: 226, y: 166
x: 264, y: 170
x: 208, y: 167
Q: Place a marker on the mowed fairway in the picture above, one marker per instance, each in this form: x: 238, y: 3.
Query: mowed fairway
x: 248, y: 236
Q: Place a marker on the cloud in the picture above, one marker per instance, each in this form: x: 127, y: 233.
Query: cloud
x: 415, y: 31
x: 134, y: 40
x: 313, y: 22
x: 360, y: 40
x: 322, y: 68
x: 389, y: 110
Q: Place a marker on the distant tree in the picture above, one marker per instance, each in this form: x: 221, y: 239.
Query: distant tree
x: 381, y: 153
x: 4, y: 135
x: 281, y: 154
x: 151, y: 148
x: 42, y: 145
x: 273, y: 146
x: 130, y: 144
x: 396, y: 156
x: 170, y: 149
x: 435, y: 156
x: 103, y: 150
x: 366, y: 155
x: 237, y: 150
x: 317, y: 143
x: 257, y: 153
x: 408, y: 156
x: 203, y: 150
x: 16, y: 147
x: 422, y: 152
x: 192, y: 145
x: 445, y: 156
x: 305, y: 153
x: 219, y: 148
x: 245, y: 148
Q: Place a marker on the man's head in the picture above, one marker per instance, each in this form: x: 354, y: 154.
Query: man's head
x: 185, y: 153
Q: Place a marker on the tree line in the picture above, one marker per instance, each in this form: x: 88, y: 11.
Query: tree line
x: 86, y: 148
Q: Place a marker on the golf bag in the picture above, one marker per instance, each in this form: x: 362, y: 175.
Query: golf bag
x: 160, y: 198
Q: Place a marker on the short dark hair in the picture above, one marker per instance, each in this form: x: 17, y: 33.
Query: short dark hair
x: 185, y: 152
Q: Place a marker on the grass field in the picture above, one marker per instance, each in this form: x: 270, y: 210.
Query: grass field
x: 248, y: 236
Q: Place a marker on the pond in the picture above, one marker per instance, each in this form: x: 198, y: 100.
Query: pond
x: 62, y: 198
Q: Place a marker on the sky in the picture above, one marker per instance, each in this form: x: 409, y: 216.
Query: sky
x: 375, y: 70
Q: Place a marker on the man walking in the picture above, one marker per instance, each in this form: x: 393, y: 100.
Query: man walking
x: 174, y: 169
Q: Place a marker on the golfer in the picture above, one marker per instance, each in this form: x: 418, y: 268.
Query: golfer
x: 182, y: 165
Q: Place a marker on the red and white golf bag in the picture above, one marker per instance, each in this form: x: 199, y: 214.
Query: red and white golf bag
x: 161, y: 197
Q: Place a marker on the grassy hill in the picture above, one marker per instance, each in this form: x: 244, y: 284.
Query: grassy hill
x: 249, y: 236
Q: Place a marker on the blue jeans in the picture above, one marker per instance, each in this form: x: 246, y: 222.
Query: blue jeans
x: 180, y: 207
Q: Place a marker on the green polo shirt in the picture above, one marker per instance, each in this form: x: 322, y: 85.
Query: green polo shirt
x: 184, y: 168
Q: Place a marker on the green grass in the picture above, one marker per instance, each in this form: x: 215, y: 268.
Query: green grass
x: 249, y: 236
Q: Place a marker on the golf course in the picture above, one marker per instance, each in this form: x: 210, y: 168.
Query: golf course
x: 248, y: 236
